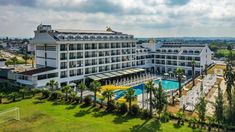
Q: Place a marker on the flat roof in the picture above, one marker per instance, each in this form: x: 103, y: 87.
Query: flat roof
x: 38, y: 70
x: 115, y: 73
x: 83, y: 31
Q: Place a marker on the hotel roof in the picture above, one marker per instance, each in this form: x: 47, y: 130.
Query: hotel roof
x: 84, y: 31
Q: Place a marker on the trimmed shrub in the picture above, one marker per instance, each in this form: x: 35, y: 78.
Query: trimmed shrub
x: 165, y: 117
x: 76, y: 99
x: 122, y: 109
x: 87, y: 100
x: 111, y: 106
x: 35, y: 91
x: 55, y: 95
x: 145, y: 114
x: 45, y: 93
x: 135, y: 109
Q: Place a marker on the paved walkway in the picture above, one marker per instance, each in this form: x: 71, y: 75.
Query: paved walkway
x: 211, y: 100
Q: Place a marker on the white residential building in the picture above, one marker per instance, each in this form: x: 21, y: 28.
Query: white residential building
x: 169, y: 56
x: 71, y: 56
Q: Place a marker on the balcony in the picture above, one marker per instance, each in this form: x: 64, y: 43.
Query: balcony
x: 63, y: 58
x: 72, y: 57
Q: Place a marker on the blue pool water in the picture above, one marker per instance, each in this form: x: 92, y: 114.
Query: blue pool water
x: 166, y: 84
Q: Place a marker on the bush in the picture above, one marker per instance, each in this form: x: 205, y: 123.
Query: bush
x: 35, y: 91
x: 122, y: 109
x: 145, y: 114
x: 165, y: 117
x: 45, y: 93
x: 87, y: 100
x: 135, y: 110
x: 111, y: 106
x: 55, y: 95
x: 76, y: 99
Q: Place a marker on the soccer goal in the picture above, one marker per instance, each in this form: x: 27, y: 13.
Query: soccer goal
x: 10, y: 114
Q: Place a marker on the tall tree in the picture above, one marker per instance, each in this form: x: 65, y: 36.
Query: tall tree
x: 160, y: 100
x: 180, y: 75
x: 95, y: 87
x: 193, y: 63
x: 201, y: 108
x: 73, y: 95
x: 108, y: 94
x: 52, y: 84
x: 229, y: 76
x: 149, y: 86
x: 211, y: 121
x: 219, y: 108
x: 66, y: 89
x: 81, y: 87
x: 129, y: 96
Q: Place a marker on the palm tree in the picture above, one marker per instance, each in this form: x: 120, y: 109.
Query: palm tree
x: 193, y: 63
x: 201, y: 108
x: 149, y: 86
x: 52, y: 84
x: 219, y: 108
x: 101, y: 102
x: 108, y: 94
x: 229, y: 76
x: 95, y: 87
x: 81, y: 87
x: 14, y: 60
x: 160, y: 102
x: 129, y: 96
x: 211, y: 120
x: 23, y: 91
x: 73, y: 95
x: 180, y: 74
x: 25, y: 57
x: 66, y: 89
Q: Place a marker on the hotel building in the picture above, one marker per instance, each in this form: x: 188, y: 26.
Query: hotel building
x: 71, y: 56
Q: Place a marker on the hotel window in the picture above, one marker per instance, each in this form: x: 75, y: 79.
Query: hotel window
x: 63, y: 47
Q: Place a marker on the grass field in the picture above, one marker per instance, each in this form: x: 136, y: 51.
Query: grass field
x: 51, y: 116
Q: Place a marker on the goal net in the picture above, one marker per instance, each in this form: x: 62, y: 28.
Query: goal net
x: 10, y: 114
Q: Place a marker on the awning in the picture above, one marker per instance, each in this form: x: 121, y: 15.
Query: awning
x: 102, y: 76
x: 94, y: 77
x: 123, y: 72
x: 115, y: 73
x: 109, y: 74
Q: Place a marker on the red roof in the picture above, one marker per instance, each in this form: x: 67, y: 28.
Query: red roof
x: 38, y: 70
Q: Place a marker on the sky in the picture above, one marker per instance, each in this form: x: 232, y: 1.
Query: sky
x: 142, y: 18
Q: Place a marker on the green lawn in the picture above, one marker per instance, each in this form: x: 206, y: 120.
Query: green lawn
x: 49, y: 116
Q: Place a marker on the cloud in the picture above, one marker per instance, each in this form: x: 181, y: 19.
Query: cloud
x: 138, y: 17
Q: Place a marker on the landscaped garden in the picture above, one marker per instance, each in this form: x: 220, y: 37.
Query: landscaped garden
x: 43, y: 115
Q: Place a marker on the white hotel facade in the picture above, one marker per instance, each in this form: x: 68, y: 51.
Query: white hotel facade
x: 71, y: 56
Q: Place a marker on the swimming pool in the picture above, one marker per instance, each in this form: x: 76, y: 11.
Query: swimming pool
x: 166, y: 84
